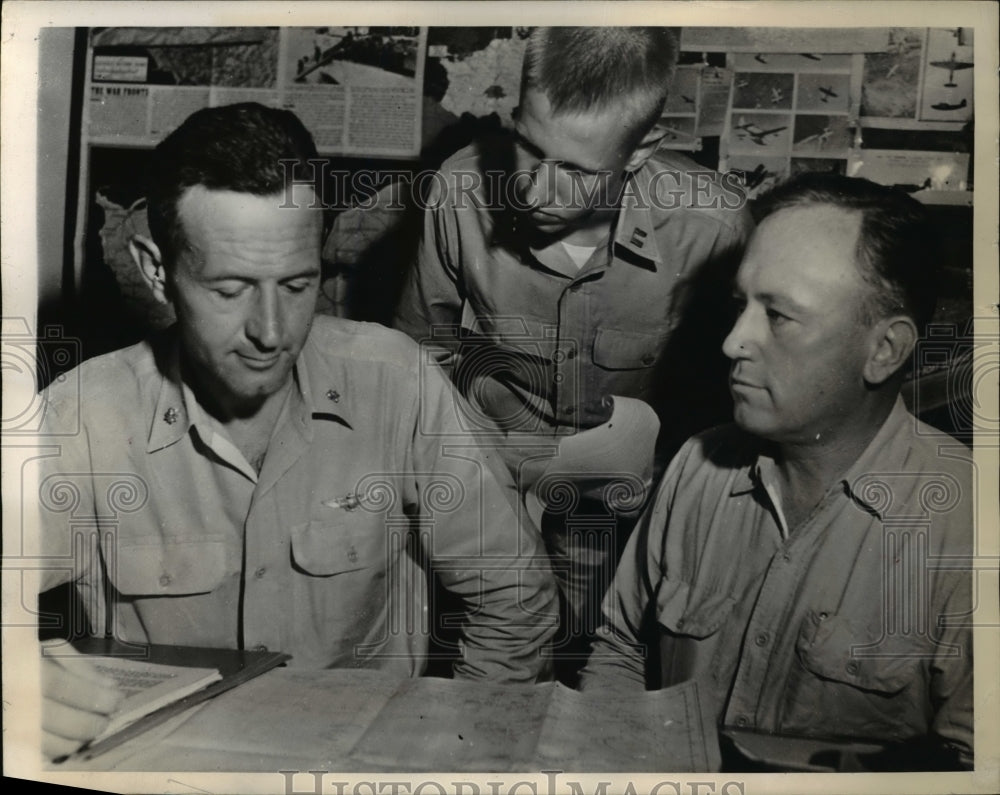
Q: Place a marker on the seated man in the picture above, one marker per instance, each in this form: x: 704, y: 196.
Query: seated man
x: 581, y: 274
x: 260, y: 478
x: 787, y: 562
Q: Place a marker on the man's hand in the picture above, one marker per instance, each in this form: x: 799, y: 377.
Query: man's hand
x: 76, y: 701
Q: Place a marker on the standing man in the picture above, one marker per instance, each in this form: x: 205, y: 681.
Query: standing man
x: 808, y: 566
x: 571, y: 262
x: 260, y: 478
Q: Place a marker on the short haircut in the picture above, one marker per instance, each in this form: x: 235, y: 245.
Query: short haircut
x: 896, y: 251
x: 234, y: 147
x: 582, y: 69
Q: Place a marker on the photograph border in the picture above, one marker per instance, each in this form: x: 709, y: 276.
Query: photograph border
x: 22, y: 21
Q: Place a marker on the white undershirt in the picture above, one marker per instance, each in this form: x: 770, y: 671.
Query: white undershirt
x: 579, y: 254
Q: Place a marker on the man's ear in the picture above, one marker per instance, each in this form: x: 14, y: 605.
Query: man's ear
x: 893, y: 340
x: 644, y: 149
x: 146, y: 256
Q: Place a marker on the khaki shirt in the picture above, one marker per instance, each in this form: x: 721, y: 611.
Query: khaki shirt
x: 369, y: 482
x: 855, y: 624
x: 538, y: 345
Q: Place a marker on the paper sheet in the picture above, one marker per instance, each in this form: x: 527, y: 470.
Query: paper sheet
x: 613, y: 461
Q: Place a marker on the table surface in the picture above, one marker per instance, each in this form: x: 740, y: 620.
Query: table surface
x: 352, y: 720
x: 283, y: 719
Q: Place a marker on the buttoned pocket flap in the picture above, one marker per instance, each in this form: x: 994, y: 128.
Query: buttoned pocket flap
x: 349, y: 543
x: 626, y: 350
x: 155, y: 566
x: 697, y: 618
x: 832, y: 647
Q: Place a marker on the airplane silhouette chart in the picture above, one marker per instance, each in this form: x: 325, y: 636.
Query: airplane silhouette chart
x: 753, y: 132
x: 821, y: 139
x: 913, y: 187
x: 752, y: 179
x: 828, y: 94
x: 763, y: 90
x: 952, y: 65
x: 950, y: 105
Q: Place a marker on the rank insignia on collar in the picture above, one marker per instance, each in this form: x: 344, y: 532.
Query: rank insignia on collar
x: 333, y: 395
x: 170, y: 415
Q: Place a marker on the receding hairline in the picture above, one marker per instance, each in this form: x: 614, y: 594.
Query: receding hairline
x: 871, y: 281
x: 280, y: 197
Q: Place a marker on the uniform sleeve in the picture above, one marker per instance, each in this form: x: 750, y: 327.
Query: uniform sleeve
x: 479, y: 545
x: 64, y: 537
x: 619, y: 653
x: 431, y: 295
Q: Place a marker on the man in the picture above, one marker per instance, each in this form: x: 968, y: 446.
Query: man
x: 569, y: 263
x: 805, y: 566
x: 258, y: 477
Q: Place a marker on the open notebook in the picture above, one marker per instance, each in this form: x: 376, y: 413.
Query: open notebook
x: 162, y: 681
x: 148, y: 687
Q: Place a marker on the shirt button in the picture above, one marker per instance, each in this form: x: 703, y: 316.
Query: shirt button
x: 742, y: 720
x: 165, y: 579
x: 761, y: 639
x: 824, y: 616
x: 260, y: 572
x: 648, y: 359
x: 852, y: 668
x: 260, y: 647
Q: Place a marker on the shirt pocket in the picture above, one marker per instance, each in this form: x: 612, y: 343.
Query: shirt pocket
x: 825, y: 646
x: 325, y: 548
x: 144, y: 566
x: 627, y: 350
x: 675, y: 611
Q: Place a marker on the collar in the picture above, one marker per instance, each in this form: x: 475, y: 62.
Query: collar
x: 746, y: 479
x: 886, y: 452
x: 176, y: 408
x: 633, y: 231
x: 171, y: 419
x: 325, y: 386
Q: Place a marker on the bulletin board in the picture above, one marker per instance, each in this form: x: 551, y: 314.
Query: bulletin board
x: 891, y: 104
x: 804, y: 100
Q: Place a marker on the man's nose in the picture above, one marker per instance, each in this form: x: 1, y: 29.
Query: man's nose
x: 737, y: 343
x: 264, y: 324
x: 541, y: 187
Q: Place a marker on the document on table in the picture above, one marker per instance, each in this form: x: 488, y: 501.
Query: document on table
x: 438, y: 724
